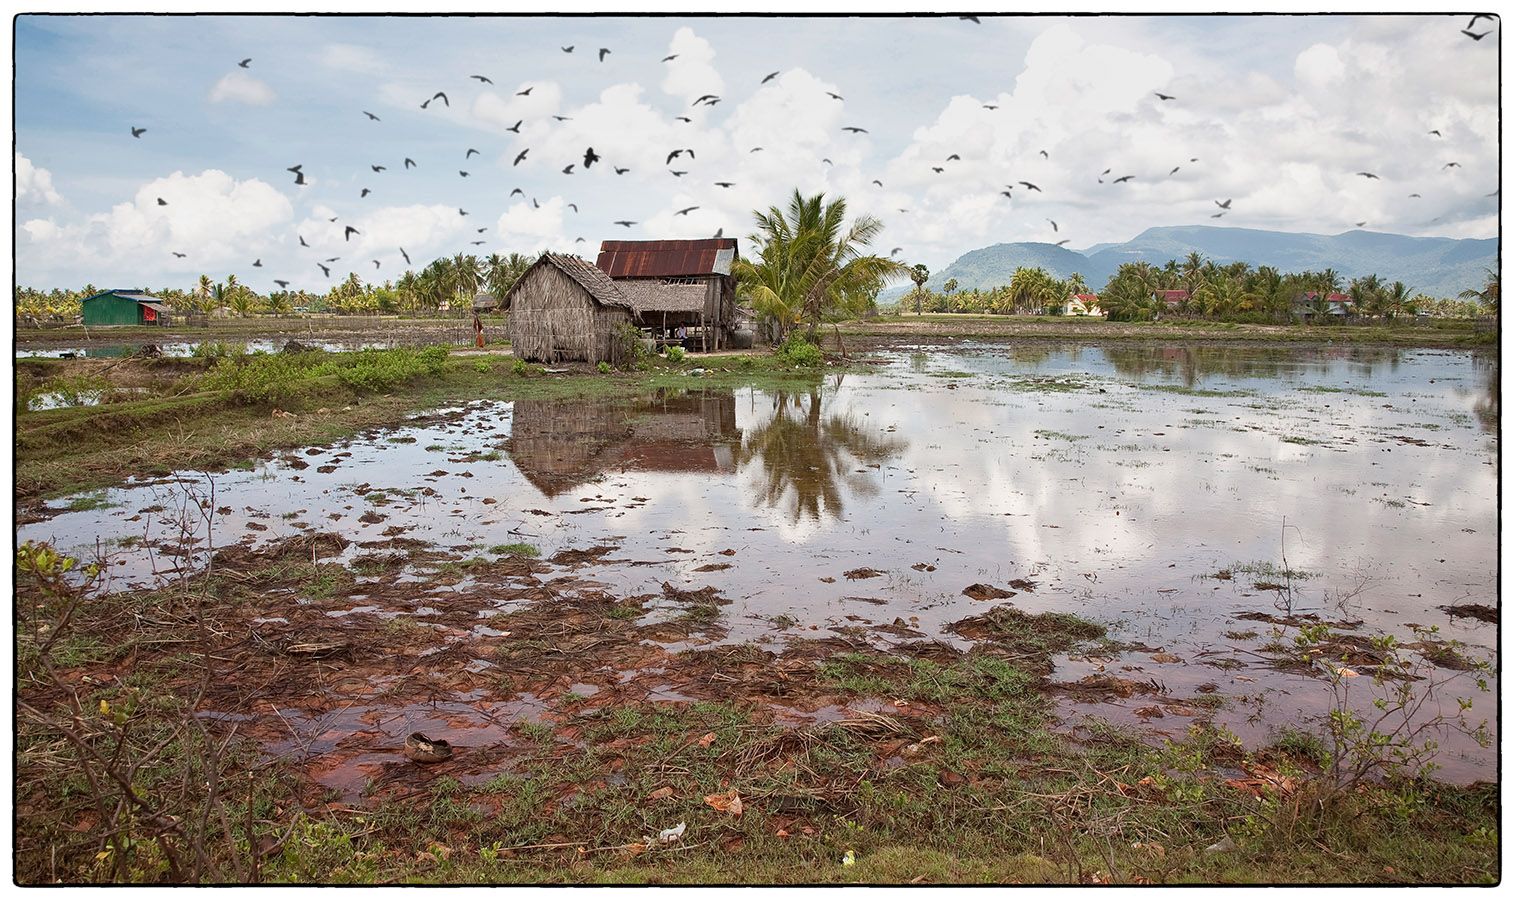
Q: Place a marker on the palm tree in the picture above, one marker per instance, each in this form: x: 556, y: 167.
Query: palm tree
x: 203, y: 294
x: 810, y: 265
x: 1488, y: 296
x: 919, y: 274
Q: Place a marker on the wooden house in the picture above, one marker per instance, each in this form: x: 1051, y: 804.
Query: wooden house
x: 124, y: 307
x: 677, y: 287
x: 564, y: 309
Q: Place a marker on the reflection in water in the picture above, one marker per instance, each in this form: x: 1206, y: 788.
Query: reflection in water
x: 1192, y: 363
x: 803, y: 456
x: 1486, y: 406
x: 560, y: 444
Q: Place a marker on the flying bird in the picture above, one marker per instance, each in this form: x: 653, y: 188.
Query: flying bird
x: 282, y: 284
x: 568, y: 169
x: 590, y: 157
x: 1415, y: 195
x: 1435, y: 131
x: 534, y: 205
x: 302, y: 240
x: 162, y: 202
x: 378, y: 168
x: 1123, y: 178
x: 754, y: 149
x: 1474, y: 35
x: 347, y: 235
x: 677, y: 174
x: 972, y: 19
x: 521, y: 156
x: 937, y: 169
x: 1053, y: 225
x: 439, y: 95
x: 620, y: 171
x: 1162, y: 96
x: 685, y: 211
x: 704, y: 98
x: 827, y: 160
x: 405, y: 255
x: 854, y: 129
x: 1062, y: 241
x: 572, y: 206
x: 770, y: 77
x: 1366, y: 175
x: 725, y: 184
x: 179, y: 255
x: 333, y: 259
x: 625, y: 223
x: 526, y: 92
x: 989, y: 106
x: 895, y: 251
x: 563, y: 118
x: 481, y: 78
x: 603, y: 52
x: 471, y: 152
x: 486, y: 228
x: 670, y: 57
x: 1008, y: 194
x: 461, y: 211
x: 834, y: 96
x: 672, y: 156
x: 409, y: 163
x: 246, y: 62
x: 365, y: 193
x: 877, y: 182
x: 325, y: 270
x: 569, y: 48
x: 1481, y: 16
x: 299, y: 177
x: 1216, y: 215
x: 578, y: 240
x: 516, y: 127
x: 1031, y: 186
x: 683, y: 118
x: 952, y: 157
x: 1174, y: 171
x: 375, y: 264
x: 1360, y: 224
x: 478, y: 243
x: 462, y: 173
x: 1450, y: 165
x: 371, y: 116
x: 1225, y: 205
x: 137, y: 132
x: 1045, y: 155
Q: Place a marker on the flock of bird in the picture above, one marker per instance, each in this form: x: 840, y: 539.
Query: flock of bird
x: 590, y: 157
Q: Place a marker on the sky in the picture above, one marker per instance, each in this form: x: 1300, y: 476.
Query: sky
x: 1276, y: 115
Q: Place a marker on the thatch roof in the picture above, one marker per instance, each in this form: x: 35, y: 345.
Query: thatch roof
x: 485, y: 300
x: 589, y: 277
x: 652, y: 296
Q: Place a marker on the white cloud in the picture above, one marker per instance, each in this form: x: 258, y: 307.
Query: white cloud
x: 1319, y: 65
x: 34, y: 185
x: 424, y: 231
x: 212, y: 218
x: 692, y: 74
x: 352, y: 58
x: 239, y: 87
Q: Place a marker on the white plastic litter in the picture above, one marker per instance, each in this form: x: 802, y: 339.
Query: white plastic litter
x: 669, y: 835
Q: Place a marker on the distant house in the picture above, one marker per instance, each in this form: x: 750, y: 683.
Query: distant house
x: 675, y: 285
x: 485, y: 302
x: 1172, y: 300
x: 125, y: 307
x: 1082, y: 305
x: 564, y: 309
x: 1306, y: 305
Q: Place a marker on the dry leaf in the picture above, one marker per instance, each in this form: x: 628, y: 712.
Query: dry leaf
x: 1346, y: 672
x: 729, y: 802
x: 707, y: 740
x: 660, y: 793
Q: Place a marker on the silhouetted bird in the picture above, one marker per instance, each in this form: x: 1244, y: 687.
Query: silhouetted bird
x: 895, y: 251
x: 471, y: 152
x: 834, y: 96
x: 1216, y: 215
x: 572, y: 206
x: 477, y: 243
x: 620, y: 171
x: 854, y: 129
x: 1063, y: 241
x: 989, y: 106
x: 461, y: 211
x: 365, y: 193
x: 521, y: 156
x: 1123, y: 178
x: 677, y: 174
x: 1031, y: 186
x: 482, y: 230
x: 284, y: 285
x: 481, y: 78
x: 937, y: 169
x: 1366, y: 175
x: 1481, y: 16
x: 439, y: 95
x: 1045, y: 154
x: 972, y: 19
x: 302, y: 240
x: 603, y: 52
x: 725, y: 184
x: 137, y: 132
x: 569, y: 48
x: 1162, y: 96
x: 405, y: 255
x: 769, y: 78
x: 378, y: 168
x: 347, y: 235
x: 1053, y: 225
x: 409, y: 163
x: 462, y: 173
x: 324, y: 270
x: 568, y: 169
x: 516, y: 127
x: 563, y: 118
x: 517, y: 191
x: 371, y: 116
x: 1450, y: 165
x: 683, y: 119
x: 703, y: 99
x: 246, y: 62
x: 1474, y: 35
x: 670, y: 57
x: 1225, y: 205
x: 162, y: 202
x: 1415, y: 195
x: 1174, y: 171
x: 590, y: 157
x: 952, y: 157
x: 1360, y: 224
x: 375, y: 264
x: 685, y: 211
x: 625, y: 223
x: 178, y: 254
x: 526, y: 92
x: 1435, y: 131
x: 755, y: 150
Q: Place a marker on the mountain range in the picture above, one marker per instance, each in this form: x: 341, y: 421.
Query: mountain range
x: 1439, y: 267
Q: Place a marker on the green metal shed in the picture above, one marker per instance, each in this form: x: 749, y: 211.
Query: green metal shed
x: 125, y: 308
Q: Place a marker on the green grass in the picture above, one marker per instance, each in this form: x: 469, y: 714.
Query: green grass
x: 519, y: 549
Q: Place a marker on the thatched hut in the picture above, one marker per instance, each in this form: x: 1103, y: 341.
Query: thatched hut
x: 564, y: 309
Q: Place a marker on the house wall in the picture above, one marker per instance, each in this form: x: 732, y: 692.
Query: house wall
x: 553, y: 319
x: 110, y: 309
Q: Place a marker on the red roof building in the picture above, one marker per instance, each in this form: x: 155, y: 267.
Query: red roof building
x: 677, y: 287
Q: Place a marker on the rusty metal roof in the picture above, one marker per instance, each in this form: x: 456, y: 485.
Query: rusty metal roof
x: 667, y: 259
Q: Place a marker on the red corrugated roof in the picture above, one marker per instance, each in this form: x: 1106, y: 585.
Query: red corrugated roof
x: 661, y: 259
x: 1333, y: 298
x: 1088, y: 298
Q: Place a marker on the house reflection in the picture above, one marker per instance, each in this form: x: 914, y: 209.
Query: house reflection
x: 1190, y: 365
x: 560, y: 444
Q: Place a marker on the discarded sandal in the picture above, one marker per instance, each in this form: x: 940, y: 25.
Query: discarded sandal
x: 426, y: 750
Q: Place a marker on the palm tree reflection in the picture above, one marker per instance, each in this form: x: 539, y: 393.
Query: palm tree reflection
x: 806, y: 462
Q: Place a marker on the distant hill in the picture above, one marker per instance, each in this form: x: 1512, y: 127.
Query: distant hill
x: 1440, y: 267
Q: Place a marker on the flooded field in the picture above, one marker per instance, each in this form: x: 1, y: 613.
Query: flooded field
x: 1194, y: 499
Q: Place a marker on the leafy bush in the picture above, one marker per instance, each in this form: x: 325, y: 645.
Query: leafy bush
x: 604, y: 368
x: 634, y: 348
x: 676, y: 354
x: 796, y: 351
x: 274, y: 378
x: 216, y: 350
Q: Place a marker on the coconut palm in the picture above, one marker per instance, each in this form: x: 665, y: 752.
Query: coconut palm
x: 810, y: 264
x: 1488, y: 296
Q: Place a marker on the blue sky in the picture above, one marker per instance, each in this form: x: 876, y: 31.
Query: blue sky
x: 1281, y: 113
